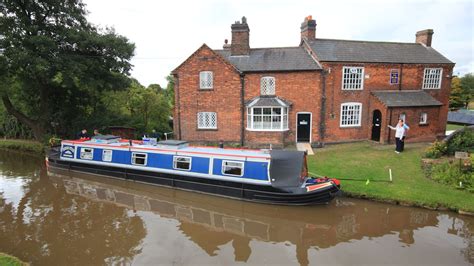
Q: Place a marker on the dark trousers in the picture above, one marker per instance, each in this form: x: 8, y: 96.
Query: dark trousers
x: 402, y: 143
x: 398, y: 145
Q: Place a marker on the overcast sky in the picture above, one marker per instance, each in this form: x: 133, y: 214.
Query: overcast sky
x: 167, y: 32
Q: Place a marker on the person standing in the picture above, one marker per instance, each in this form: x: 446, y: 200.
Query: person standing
x: 399, y: 135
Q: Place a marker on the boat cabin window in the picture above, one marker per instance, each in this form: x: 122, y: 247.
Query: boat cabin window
x: 182, y: 163
x: 232, y: 168
x: 87, y: 153
x: 107, y: 155
x: 139, y: 158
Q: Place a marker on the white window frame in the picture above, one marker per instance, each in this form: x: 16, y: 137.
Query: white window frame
x: 134, y: 156
x: 359, y: 118
x: 423, y: 118
x: 251, y: 118
x: 175, y: 161
x: 265, y: 83
x: 429, y: 82
x: 206, y: 80
x: 241, y: 167
x: 348, y: 86
x: 104, y: 156
x: 201, y: 121
x: 86, y: 155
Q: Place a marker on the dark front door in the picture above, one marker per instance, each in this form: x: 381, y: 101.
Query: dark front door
x: 304, y: 128
x: 376, y: 125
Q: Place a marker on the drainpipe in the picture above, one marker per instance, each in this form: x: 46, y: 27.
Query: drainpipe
x: 242, y: 108
x: 400, y: 78
x: 177, y: 103
x: 390, y: 123
x: 322, y: 122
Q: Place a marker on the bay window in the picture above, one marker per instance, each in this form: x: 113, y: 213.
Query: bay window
x: 267, y: 118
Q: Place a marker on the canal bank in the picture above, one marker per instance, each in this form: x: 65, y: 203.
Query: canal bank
x: 364, y: 167
x: 8, y: 260
x: 29, y: 146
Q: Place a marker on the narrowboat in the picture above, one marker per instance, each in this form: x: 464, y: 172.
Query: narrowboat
x: 264, y: 176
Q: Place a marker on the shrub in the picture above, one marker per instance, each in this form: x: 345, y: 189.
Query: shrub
x: 436, y: 150
x: 450, y: 173
x: 462, y: 141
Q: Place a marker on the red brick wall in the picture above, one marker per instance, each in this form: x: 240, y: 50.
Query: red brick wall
x: 302, y: 89
x: 378, y: 79
x: 417, y: 132
x: 224, y: 98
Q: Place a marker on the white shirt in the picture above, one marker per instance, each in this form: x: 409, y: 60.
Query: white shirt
x: 399, y: 131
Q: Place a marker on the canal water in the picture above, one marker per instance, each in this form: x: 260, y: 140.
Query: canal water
x: 62, y: 218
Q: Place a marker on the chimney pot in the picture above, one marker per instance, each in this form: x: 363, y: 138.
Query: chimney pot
x: 424, y: 37
x: 226, y: 45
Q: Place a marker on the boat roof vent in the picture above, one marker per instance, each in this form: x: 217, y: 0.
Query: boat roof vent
x: 173, y: 143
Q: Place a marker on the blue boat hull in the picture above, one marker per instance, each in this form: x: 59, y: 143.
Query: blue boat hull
x: 248, y: 192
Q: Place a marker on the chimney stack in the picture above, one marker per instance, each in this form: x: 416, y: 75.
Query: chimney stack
x: 308, y: 29
x: 240, y: 38
x: 424, y: 37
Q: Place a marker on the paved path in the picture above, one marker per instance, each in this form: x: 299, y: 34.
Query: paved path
x: 305, y: 147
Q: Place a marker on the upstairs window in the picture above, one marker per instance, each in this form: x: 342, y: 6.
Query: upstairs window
x: 232, y: 168
x: 207, y: 120
x: 267, y: 86
x: 352, y: 78
x: 87, y: 153
x: 423, y: 119
x: 432, y: 78
x: 206, y: 80
x: 139, y: 158
x: 182, y: 163
x: 351, y: 114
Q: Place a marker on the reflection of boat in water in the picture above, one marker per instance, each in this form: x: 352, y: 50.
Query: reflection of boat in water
x: 211, y: 223
x: 265, y: 176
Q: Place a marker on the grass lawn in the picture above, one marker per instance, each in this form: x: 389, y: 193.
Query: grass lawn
x: 7, y: 260
x: 366, y: 160
x: 453, y: 127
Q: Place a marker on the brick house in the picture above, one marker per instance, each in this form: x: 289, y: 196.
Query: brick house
x: 321, y: 91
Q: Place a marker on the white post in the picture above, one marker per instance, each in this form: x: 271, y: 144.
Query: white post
x: 390, y: 172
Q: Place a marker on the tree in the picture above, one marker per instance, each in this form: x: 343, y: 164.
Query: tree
x: 58, y: 62
x: 467, y: 85
x: 455, y: 99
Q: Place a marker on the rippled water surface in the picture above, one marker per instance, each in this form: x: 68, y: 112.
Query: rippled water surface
x: 61, y: 218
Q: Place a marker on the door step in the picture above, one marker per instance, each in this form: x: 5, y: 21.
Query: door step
x: 301, y: 146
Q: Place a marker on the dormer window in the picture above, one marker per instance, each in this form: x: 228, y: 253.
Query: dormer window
x: 206, y: 81
x: 267, y: 86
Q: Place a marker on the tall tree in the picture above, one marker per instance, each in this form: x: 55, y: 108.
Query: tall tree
x: 59, y: 61
x: 455, y: 99
x: 467, y: 85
